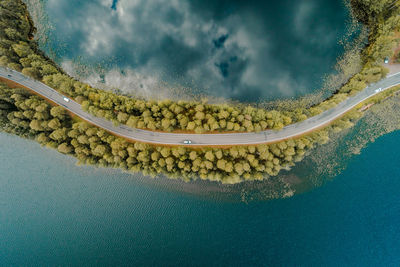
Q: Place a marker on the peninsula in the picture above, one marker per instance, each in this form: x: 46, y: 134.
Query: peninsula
x: 183, y: 140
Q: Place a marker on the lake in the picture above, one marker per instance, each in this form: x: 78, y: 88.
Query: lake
x: 56, y: 213
x: 243, y: 50
x: 53, y: 212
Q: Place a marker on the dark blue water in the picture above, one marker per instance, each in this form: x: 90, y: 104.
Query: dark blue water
x: 245, y: 50
x: 54, y: 213
x: 114, y: 4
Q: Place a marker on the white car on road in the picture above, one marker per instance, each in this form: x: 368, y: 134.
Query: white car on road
x: 66, y: 99
x: 187, y: 142
x: 378, y: 90
x: 386, y: 60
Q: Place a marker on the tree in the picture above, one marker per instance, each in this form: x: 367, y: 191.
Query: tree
x: 219, y: 154
x: 199, y: 115
x: 22, y: 49
x: 48, y: 69
x: 59, y: 134
x: 239, y: 168
x: 367, y: 11
x: 58, y: 112
x: 65, y: 148
x: 191, y: 126
x: 221, y: 164
x: 166, y: 124
x: 165, y: 152
x: 83, y: 139
x: 209, y: 155
x: 99, y: 150
x: 54, y: 124
x: 155, y: 156
x: 32, y: 72
x: 36, y: 125
x: 208, y: 164
x: 192, y: 155
x: 42, y: 138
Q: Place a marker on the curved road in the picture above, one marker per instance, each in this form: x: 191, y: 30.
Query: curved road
x: 222, y: 139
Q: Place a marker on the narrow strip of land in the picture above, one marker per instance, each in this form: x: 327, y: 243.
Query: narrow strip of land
x: 222, y: 139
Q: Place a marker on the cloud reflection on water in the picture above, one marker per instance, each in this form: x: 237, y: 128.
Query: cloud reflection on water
x: 247, y: 50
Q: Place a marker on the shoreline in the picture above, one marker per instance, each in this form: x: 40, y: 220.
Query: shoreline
x: 259, y: 162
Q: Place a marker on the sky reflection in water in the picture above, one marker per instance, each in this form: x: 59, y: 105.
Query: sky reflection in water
x: 246, y: 50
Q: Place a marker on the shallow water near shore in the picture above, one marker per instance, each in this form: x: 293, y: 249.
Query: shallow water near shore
x: 55, y: 213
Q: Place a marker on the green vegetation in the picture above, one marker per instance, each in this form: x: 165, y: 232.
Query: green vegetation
x: 32, y: 117
x: 372, y: 12
x: 22, y: 54
x: 396, y: 58
x: 383, y: 21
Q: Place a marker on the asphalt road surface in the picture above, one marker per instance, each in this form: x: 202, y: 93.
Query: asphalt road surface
x: 222, y: 139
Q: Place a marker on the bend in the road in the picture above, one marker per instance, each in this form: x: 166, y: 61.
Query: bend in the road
x: 222, y: 139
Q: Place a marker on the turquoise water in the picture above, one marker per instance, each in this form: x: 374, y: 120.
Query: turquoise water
x: 55, y: 213
x: 245, y: 50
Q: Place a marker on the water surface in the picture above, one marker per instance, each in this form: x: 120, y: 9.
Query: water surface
x: 55, y: 213
x: 245, y: 50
